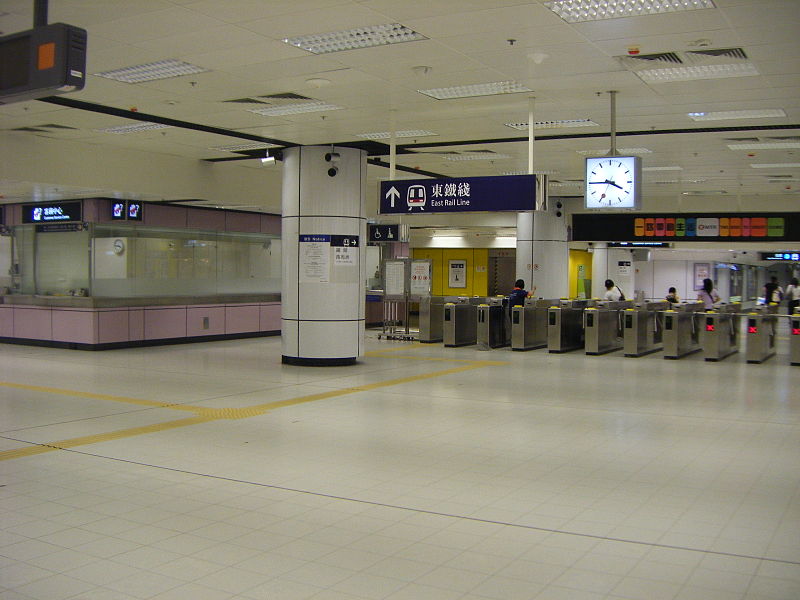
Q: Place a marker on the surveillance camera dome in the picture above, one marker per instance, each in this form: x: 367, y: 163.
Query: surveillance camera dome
x: 329, y: 156
x: 332, y: 172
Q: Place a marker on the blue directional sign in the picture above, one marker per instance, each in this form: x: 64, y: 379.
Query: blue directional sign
x: 458, y: 194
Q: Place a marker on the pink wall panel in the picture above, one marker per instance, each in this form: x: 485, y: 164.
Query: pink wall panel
x: 70, y: 325
x: 160, y: 323
x: 195, y: 324
x: 271, y: 224
x: 270, y: 317
x: 136, y: 324
x: 113, y: 326
x: 6, y: 320
x: 246, y: 222
x: 241, y: 319
x: 205, y: 219
x: 33, y: 323
x: 156, y: 215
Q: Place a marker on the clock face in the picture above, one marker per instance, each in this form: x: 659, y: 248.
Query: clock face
x: 119, y: 246
x: 613, y: 182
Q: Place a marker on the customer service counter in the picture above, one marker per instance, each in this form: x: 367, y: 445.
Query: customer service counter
x: 98, y: 323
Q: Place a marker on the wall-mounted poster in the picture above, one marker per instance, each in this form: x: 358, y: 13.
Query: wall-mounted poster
x: 457, y: 274
x: 701, y: 271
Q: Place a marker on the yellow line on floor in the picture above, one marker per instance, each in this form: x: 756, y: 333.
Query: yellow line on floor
x: 62, y: 392
x: 207, y: 415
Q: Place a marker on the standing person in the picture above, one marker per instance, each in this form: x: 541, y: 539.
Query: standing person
x: 708, y: 295
x: 772, y: 291
x: 672, y: 296
x: 793, y: 295
x: 518, y: 294
x: 613, y: 293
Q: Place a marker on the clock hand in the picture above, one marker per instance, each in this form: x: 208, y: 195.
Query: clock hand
x: 614, y: 184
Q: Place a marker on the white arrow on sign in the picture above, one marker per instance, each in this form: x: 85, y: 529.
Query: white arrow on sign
x: 392, y: 194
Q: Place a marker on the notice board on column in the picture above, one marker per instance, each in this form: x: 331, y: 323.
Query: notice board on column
x: 327, y: 258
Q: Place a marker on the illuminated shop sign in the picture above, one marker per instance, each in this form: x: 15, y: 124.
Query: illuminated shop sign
x: 783, y: 256
x: 63, y: 212
x: 458, y: 194
x: 685, y: 227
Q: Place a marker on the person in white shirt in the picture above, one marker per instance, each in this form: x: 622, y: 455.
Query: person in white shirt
x: 793, y: 295
x: 613, y: 293
x: 708, y: 295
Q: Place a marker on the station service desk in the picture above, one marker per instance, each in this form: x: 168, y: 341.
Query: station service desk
x: 100, y: 323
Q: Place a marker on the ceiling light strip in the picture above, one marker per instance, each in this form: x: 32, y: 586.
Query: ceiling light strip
x: 384, y: 135
x: 132, y: 128
x: 477, y: 89
x: 352, y: 39
x: 294, y: 109
x: 577, y: 11
x: 722, y: 115
x: 690, y: 73
x: 776, y: 166
x: 163, y: 69
x: 766, y: 146
x: 554, y: 124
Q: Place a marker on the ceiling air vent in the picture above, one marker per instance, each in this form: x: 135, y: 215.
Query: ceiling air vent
x: 28, y: 129
x: 245, y: 101
x: 709, y: 56
x: 749, y: 140
x: 650, y: 61
x: 785, y: 138
x: 285, y: 96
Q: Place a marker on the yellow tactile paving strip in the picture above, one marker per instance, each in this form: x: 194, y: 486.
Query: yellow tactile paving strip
x: 207, y: 415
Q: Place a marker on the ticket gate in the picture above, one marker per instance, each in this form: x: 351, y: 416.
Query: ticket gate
x: 459, y: 321
x: 794, y: 338
x: 720, y: 336
x: 431, y: 315
x: 602, y: 325
x: 761, y: 336
x: 529, y: 324
x: 682, y: 329
x: 494, y: 323
x: 565, y: 325
x: 644, y: 328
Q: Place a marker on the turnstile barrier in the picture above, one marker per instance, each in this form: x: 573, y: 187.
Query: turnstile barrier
x: 494, y: 323
x: 721, y: 332
x: 565, y: 325
x: 459, y: 320
x: 761, y: 336
x: 644, y: 328
x: 529, y: 324
x: 682, y: 329
x: 431, y: 315
x: 602, y: 326
x: 794, y: 338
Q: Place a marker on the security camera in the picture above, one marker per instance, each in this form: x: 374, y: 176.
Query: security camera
x: 332, y: 172
x: 559, y: 205
x: 332, y: 156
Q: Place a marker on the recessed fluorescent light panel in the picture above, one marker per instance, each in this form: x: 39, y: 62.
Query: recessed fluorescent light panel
x: 163, y: 69
x: 577, y: 11
x: 766, y: 146
x: 690, y: 73
x: 722, y: 115
x: 554, y: 124
x: 242, y: 147
x: 478, y: 89
x: 351, y: 39
x: 777, y: 166
x: 549, y: 173
x: 477, y: 156
x: 294, y: 109
x: 620, y: 151
x: 705, y: 193
x: 675, y: 168
x: 132, y: 128
x: 385, y: 135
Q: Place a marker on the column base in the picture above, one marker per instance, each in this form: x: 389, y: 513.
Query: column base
x: 317, y: 362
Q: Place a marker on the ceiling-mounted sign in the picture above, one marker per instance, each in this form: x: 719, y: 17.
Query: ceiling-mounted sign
x: 458, y: 194
x: 61, y: 212
x: 384, y: 233
x: 688, y: 227
x: 126, y: 210
x: 781, y: 256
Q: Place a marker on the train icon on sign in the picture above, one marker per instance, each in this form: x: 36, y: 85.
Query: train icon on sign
x: 415, y: 196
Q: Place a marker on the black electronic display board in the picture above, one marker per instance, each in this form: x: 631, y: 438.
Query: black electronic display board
x: 52, y: 212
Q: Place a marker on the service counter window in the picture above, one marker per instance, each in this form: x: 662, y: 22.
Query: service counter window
x: 129, y: 261
x: 124, y: 260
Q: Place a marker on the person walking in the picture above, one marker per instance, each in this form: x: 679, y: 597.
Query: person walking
x: 613, y: 293
x: 708, y: 295
x: 792, y: 295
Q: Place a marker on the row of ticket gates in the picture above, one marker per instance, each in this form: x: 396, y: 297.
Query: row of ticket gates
x: 600, y: 327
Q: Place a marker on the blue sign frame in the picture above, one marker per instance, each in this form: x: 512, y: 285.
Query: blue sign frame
x: 458, y: 194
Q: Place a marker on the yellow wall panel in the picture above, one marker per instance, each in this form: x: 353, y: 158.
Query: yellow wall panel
x: 580, y: 262
x: 464, y: 254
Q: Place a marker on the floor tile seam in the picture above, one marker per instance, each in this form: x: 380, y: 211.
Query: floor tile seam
x: 440, y: 514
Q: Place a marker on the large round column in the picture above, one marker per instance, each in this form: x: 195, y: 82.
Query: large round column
x: 543, y: 252
x: 322, y: 290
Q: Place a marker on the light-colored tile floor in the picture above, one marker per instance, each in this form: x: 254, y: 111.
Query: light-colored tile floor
x: 211, y: 471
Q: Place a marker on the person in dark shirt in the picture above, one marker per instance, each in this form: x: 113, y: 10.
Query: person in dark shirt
x: 518, y: 294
